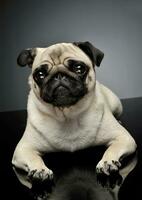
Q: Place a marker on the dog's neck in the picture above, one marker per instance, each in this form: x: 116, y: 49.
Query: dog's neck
x: 59, y: 113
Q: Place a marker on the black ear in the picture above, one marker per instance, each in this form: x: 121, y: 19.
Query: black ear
x: 93, y: 53
x: 26, y: 57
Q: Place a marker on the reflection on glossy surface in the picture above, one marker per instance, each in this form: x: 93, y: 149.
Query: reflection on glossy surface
x: 78, y: 181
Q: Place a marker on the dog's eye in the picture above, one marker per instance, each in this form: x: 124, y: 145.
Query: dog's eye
x: 78, y: 67
x: 39, y: 74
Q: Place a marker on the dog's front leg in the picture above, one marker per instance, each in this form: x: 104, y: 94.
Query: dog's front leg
x: 117, y: 149
x: 120, y: 144
x: 29, y: 165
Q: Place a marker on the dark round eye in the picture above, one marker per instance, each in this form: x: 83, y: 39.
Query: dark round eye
x: 79, y: 69
x: 40, y: 73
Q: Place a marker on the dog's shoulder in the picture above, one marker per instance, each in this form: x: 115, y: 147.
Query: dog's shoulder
x: 109, y: 99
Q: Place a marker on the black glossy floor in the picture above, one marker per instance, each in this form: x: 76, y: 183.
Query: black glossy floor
x: 65, y: 164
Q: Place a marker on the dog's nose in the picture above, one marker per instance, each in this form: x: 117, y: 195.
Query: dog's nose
x: 60, y: 76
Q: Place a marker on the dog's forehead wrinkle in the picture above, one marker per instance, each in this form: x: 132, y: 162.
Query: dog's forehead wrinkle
x: 59, y: 52
x: 53, y: 54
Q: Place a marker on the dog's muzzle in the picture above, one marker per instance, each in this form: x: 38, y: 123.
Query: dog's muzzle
x: 63, y: 90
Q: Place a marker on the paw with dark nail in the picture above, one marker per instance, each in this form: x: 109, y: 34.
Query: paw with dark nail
x: 38, y: 176
x: 108, y: 173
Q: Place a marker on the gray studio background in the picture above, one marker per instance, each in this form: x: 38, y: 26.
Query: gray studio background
x: 113, y: 26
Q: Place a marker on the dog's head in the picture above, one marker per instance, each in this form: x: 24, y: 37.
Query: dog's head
x: 63, y: 73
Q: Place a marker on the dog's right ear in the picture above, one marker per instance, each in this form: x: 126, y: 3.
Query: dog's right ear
x: 26, y: 57
x: 93, y: 53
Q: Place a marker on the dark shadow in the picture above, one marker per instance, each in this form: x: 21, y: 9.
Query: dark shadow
x: 75, y: 177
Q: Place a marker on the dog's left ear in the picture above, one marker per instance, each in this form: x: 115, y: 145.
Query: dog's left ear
x: 93, y: 53
x: 26, y: 57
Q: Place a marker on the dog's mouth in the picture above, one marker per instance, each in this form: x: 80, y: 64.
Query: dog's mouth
x: 63, y: 91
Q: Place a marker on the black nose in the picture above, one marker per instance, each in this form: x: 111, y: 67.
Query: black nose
x: 60, y: 76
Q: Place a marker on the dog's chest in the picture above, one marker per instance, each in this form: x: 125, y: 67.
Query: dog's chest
x: 69, y: 135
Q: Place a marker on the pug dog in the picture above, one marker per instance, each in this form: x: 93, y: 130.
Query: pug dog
x: 68, y: 110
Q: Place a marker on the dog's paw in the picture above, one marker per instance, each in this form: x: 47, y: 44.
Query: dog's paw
x: 107, y: 167
x: 39, y: 176
x: 108, y: 173
x: 42, y: 183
